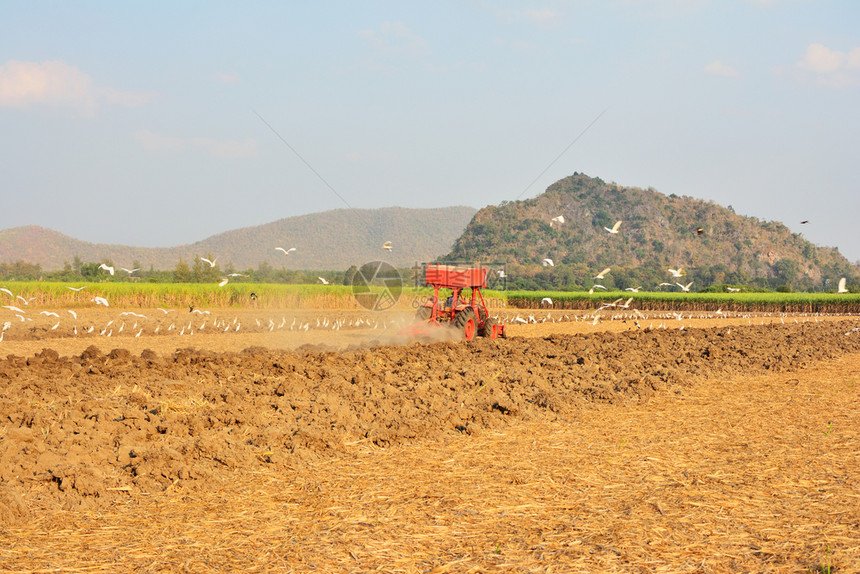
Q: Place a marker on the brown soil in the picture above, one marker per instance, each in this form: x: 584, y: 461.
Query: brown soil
x: 321, y: 446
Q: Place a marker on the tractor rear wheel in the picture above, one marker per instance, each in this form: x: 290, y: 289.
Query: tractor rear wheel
x: 465, y: 321
x: 490, y: 328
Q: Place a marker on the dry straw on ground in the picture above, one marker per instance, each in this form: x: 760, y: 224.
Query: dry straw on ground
x: 747, y: 475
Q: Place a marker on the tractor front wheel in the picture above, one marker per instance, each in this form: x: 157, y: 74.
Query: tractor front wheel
x: 465, y: 321
x: 490, y: 328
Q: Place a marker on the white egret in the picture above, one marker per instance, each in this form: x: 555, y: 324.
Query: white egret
x: 603, y: 273
x: 549, y: 262
x: 614, y: 228
x: 107, y: 268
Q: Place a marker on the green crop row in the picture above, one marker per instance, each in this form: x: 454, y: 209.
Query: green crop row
x: 265, y: 295
x: 771, y: 301
x: 53, y: 294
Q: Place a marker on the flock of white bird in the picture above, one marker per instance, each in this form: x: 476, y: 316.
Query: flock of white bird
x: 675, y: 273
x: 224, y: 325
x: 199, y: 321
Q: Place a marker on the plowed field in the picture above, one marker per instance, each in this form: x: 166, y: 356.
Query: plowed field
x: 326, y: 441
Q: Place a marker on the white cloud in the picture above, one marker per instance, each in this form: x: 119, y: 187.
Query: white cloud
x: 58, y: 84
x: 224, y: 78
x: 832, y: 68
x: 395, y: 39
x: 543, y: 16
x: 225, y: 149
x: 717, y: 68
x: 822, y: 59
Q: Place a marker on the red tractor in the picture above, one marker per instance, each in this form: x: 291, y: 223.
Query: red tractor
x: 464, y: 310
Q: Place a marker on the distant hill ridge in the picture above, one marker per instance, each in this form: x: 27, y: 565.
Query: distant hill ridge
x: 330, y: 240
x: 711, y: 242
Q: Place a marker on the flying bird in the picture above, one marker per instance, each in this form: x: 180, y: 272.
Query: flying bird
x: 676, y: 272
x: 76, y: 289
x: 614, y: 227
x: 387, y: 246
x: 7, y: 291
x: 665, y: 285
x: 100, y: 301
x: 602, y: 273
x: 685, y: 288
x: 211, y: 263
x: 700, y: 231
x: 546, y: 300
x: 236, y: 275
x: 223, y: 282
x: 549, y: 262
x: 322, y: 280
x: 13, y: 308
x: 804, y: 221
x: 558, y: 219
x: 841, y: 288
x: 285, y: 251
x: 132, y: 313
x: 107, y: 268
x: 634, y: 289
x: 49, y: 313
x: 732, y: 289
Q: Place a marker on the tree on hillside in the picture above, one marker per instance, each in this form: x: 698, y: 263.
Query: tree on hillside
x: 20, y: 271
x: 89, y: 270
x: 264, y: 273
x: 203, y: 272
x: 182, y: 273
x: 348, y: 275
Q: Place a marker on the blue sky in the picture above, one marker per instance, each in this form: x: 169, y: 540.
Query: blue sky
x: 140, y: 123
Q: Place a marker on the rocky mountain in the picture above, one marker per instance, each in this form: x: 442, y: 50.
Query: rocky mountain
x: 330, y: 240
x: 711, y: 243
